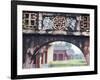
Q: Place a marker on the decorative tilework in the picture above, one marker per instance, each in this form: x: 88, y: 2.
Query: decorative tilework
x: 59, y: 23
x: 53, y: 21
x: 71, y: 23
x: 47, y: 23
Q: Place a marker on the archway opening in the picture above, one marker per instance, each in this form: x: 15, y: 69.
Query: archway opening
x: 59, y: 54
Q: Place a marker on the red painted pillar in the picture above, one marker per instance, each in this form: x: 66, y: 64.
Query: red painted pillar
x: 37, y: 61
